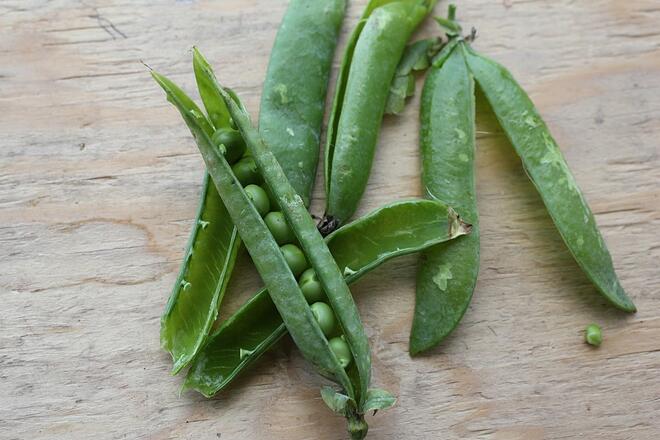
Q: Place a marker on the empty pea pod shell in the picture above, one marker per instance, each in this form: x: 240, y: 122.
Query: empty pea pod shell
x: 197, y: 293
x: 546, y: 167
x: 396, y: 229
x: 448, y: 272
x: 370, y: 61
x: 193, y: 304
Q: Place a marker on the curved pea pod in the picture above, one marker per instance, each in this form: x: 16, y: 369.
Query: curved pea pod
x: 261, y: 245
x: 546, y: 167
x: 447, y: 272
x: 370, y: 61
x: 396, y: 229
x: 193, y: 305
x: 197, y: 293
x: 293, y: 96
x: 273, y: 268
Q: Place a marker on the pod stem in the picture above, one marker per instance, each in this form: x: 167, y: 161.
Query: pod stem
x: 327, y: 225
x: 357, y: 426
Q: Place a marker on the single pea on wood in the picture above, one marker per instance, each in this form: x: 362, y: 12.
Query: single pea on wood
x: 593, y: 335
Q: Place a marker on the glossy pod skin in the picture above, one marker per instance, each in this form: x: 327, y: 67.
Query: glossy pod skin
x: 370, y: 61
x: 546, y: 167
x: 448, y: 272
x: 188, y: 317
x: 293, y: 96
x: 396, y: 229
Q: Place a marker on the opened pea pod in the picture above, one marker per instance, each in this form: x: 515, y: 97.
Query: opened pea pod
x: 352, y: 373
x: 290, y: 119
x: 370, y: 61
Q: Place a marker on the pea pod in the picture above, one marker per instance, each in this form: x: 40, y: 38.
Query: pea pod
x: 447, y: 272
x: 370, y: 60
x: 193, y: 305
x: 293, y: 97
x: 396, y: 229
x: 271, y: 263
x: 546, y: 167
x: 196, y: 296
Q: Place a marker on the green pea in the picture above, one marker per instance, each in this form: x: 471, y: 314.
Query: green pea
x: 340, y: 348
x: 310, y: 286
x: 325, y: 317
x: 278, y: 226
x: 246, y: 171
x: 593, y: 335
x: 259, y: 199
x: 233, y: 142
x: 294, y: 258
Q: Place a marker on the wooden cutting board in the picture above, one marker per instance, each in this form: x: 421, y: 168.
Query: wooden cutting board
x: 99, y: 182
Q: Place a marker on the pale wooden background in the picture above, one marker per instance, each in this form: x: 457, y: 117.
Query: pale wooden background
x: 99, y: 181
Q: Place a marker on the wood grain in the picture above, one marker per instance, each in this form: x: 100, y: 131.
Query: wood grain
x: 99, y: 181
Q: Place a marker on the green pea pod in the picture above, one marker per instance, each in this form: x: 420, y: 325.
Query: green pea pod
x: 197, y: 293
x: 319, y: 257
x: 293, y: 97
x: 198, y: 290
x: 396, y: 229
x: 273, y: 267
x: 262, y: 247
x: 447, y: 272
x: 370, y: 60
x: 546, y: 167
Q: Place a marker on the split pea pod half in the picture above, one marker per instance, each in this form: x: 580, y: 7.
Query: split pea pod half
x: 193, y: 304
x: 275, y: 267
x: 358, y: 247
x: 296, y: 117
x: 448, y: 272
x: 370, y: 61
x: 546, y: 167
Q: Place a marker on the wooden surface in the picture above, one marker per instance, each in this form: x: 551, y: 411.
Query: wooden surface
x: 99, y: 181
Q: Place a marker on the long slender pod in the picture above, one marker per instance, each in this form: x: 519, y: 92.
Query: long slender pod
x: 546, y: 167
x: 276, y: 268
x: 214, y: 242
x: 312, y: 243
x: 396, y: 229
x: 294, y: 92
x: 370, y: 61
x: 447, y: 272
x: 266, y: 254
x: 209, y: 259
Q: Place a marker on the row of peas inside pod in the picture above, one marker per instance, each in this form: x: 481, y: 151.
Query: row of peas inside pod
x: 231, y: 144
